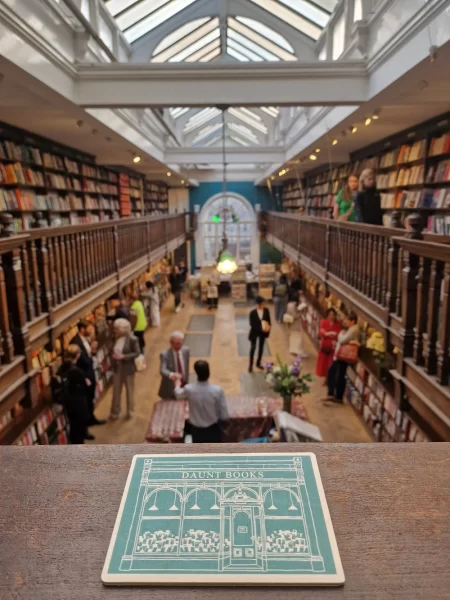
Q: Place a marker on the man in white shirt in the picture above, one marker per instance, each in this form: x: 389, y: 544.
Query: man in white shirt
x: 174, y: 365
x: 207, y: 405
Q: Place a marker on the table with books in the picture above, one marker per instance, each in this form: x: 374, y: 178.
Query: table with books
x: 251, y: 417
x: 167, y: 422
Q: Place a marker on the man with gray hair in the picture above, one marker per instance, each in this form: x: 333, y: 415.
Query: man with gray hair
x: 174, y: 366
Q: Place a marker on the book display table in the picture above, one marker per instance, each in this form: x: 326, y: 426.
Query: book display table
x: 167, y: 422
x: 389, y: 504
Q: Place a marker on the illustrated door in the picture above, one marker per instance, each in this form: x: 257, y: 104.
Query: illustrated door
x: 243, y: 538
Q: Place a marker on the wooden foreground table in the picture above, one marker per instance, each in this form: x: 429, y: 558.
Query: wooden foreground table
x: 390, y: 506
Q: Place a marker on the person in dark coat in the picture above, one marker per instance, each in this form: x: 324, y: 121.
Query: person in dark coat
x: 86, y: 364
x: 176, y: 286
x: 368, y: 200
x: 259, y: 330
x: 74, y: 394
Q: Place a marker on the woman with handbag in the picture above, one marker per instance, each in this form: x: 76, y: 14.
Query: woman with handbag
x: 294, y: 315
x: 328, y: 332
x: 126, y: 350
x: 346, y: 353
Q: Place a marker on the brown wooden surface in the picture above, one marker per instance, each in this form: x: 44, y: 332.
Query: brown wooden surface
x: 390, y: 506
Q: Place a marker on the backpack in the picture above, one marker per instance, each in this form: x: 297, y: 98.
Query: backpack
x: 281, y: 290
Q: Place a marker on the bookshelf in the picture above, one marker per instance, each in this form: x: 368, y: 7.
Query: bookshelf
x: 66, y: 186
x: 266, y: 280
x: 156, y: 197
x: 412, y: 175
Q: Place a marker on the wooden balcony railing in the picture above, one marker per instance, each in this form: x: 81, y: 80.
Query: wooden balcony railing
x: 396, y: 279
x: 48, y: 275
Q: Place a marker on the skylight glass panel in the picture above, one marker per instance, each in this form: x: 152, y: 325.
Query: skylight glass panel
x: 328, y: 5
x: 250, y: 121
x: 250, y: 113
x: 267, y: 33
x: 213, y: 141
x: 308, y: 10
x: 244, y: 41
x: 358, y: 11
x: 206, y: 39
x: 180, y: 33
x: 155, y: 18
x: 204, y: 52
x: 271, y: 110
x: 237, y: 55
x: 239, y: 141
x: 177, y: 112
x: 211, y: 55
x: 205, y: 133
x: 261, y: 41
x: 241, y: 50
x: 245, y: 131
x: 117, y: 6
x: 338, y: 38
x: 201, y: 118
x: 188, y: 42
x: 290, y: 17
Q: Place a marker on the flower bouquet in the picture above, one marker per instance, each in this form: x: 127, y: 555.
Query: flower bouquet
x: 287, y: 380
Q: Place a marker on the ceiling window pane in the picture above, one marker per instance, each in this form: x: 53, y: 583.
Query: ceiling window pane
x: 294, y: 19
x: 177, y: 35
x: 177, y: 112
x: 244, y: 41
x: 239, y: 141
x: 138, y: 11
x: 267, y: 33
x: 206, y: 132
x: 211, y: 55
x: 250, y: 113
x: 237, y: 55
x: 261, y: 41
x: 357, y: 11
x: 204, y: 52
x: 308, y: 10
x: 247, y: 54
x: 328, y: 5
x: 271, y: 110
x: 236, y: 112
x: 156, y: 18
x: 212, y: 35
x: 117, y: 6
x: 338, y: 38
x: 188, y: 42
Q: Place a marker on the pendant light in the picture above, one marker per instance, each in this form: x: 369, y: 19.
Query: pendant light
x: 226, y: 264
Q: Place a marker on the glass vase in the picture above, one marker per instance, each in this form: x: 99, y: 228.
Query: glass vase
x: 287, y: 402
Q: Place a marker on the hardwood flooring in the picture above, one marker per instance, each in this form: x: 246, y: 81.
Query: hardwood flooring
x: 337, y: 423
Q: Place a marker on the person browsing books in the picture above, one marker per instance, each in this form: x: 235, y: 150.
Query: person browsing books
x: 368, y: 200
x: 259, y: 331
x: 207, y: 405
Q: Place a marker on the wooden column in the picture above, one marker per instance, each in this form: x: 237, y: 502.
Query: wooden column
x: 442, y: 348
x: 431, y: 335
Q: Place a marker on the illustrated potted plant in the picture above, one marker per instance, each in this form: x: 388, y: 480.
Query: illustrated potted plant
x: 287, y: 380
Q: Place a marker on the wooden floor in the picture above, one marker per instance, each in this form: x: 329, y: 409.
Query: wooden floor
x: 337, y: 423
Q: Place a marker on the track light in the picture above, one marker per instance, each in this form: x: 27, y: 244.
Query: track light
x: 376, y: 115
x: 137, y: 159
x: 334, y: 142
x: 313, y: 157
x: 94, y: 131
x: 80, y: 123
x: 273, y: 177
x: 182, y: 181
x: 353, y: 128
x: 169, y: 173
x: 368, y: 121
x: 317, y: 150
x: 343, y: 133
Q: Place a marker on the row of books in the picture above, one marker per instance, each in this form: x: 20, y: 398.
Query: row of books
x: 19, y: 199
x: 61, y: 182
x: 402, y: 177
x: 378, y: 408
x: 39, y: 432
x: 440, y: 145
x: 101, y: 188
x: 439, y: 173
x: 427, y: 198
x: 404, y: 154
x: 15, y: 173
x: 438, y: 224
x: 20, y: 152
x: 100, y: 202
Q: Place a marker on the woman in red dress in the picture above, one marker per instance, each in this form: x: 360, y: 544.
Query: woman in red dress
x: 328, y: 333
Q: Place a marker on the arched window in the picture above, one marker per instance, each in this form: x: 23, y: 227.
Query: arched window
x: 241, y: 230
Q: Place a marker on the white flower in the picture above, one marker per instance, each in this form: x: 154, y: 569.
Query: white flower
x: 270, y: 379
x: 276, y: 370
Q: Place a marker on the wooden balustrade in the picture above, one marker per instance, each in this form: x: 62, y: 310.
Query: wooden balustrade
x: 397, y: 282
x: 48, y: 274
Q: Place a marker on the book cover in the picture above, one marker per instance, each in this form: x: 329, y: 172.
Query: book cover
x: 223, y: 519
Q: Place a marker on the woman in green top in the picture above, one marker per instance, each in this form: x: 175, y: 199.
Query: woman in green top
x: 344, y: 207
x: 140, y: 324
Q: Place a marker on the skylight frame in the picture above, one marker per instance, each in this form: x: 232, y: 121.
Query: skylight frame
x: 179, y: 33
x: 212, y: 36
x: 188, y: 42
x: 252, y: 46
x: 294, y: 19
x: 261, y: 40
x: 243, y: 51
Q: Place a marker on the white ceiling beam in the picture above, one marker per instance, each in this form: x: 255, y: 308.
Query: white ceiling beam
x: 189, y: 138
x: 240, y: 155
x: 283, y: 84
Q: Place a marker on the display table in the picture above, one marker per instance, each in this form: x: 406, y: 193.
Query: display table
x: 250, y: 417
x: 167, y: 422
x: 389, y: 503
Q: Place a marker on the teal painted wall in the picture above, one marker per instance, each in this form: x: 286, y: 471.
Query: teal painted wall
x: 255, y: 195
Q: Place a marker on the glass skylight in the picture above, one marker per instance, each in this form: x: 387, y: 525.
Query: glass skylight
x: 263, y: 46
x: 295, y: 19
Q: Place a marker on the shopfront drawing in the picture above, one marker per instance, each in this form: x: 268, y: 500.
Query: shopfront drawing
x: 220, y: 514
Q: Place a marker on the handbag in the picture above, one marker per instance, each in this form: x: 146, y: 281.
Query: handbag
x: 139, y: 363
x: 327, y: 345
x: 288, y: 319
x: 348, y: 353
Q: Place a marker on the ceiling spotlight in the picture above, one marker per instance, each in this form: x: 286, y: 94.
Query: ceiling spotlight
x: 108, y: 139
x: 343, y: 133
x: 376, y: 115
x: 169, y: 173
x: 313, y: 157
x: 368, y: 121
x: 80, y: 123
x: 182, y: 181
x: 273, y: 177
x: 334, y: 142
x: 353, y: 128
x: 137, y: 159
x: 94, y: 131
x: 317, y: 150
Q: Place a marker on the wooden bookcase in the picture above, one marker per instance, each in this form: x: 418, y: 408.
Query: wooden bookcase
x: 65, y: 185
x: 156, y: 197
x: 412, y: 174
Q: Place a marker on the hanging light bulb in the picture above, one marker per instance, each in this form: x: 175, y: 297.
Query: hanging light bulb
x: 368, y: 121
x: 226, y: 265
